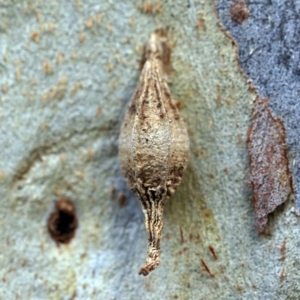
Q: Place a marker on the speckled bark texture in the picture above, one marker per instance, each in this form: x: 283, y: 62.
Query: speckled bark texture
x: 68, y: 70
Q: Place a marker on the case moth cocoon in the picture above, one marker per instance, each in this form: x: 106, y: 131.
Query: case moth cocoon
x: 153, y: 143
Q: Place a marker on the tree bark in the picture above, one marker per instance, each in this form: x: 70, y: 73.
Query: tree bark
x: 68, y: 70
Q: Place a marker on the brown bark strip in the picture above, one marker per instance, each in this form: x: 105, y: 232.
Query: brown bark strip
x: 270, y: 176
x: 213, y: 252
x: 207, y: 268
x: 181, y: 235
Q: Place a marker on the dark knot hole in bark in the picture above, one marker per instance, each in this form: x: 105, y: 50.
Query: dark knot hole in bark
x: 62, y: 223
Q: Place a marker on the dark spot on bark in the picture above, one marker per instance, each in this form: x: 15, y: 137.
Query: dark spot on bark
x: 239, y: 12
x: 179, y: 105
x: 62, y: 223
x: 122, y: 200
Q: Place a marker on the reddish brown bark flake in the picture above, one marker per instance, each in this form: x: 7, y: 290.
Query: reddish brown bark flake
x: 213, y: 252
x: 181, y: 235
x: 239, y: 11
x: 205, y: 266
x: 122, y: 200
x: 270, y: 176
